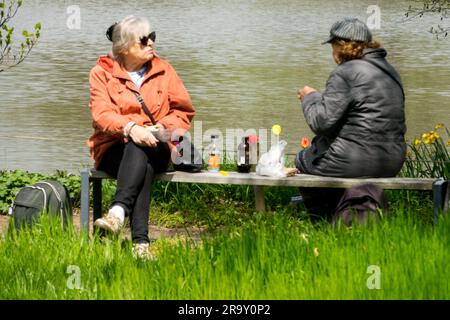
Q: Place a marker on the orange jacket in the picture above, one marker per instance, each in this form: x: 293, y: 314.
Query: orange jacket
x: 113, y: 103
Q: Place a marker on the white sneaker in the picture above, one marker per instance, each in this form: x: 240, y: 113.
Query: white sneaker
x: 142, y: 251
x: 109, y: 223
x: 117, y: 212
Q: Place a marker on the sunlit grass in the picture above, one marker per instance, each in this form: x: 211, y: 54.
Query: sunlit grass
x: 273, y: 256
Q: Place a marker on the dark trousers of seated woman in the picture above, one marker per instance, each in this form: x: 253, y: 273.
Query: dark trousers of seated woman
x: 135, y: 168
x: 321, y: 203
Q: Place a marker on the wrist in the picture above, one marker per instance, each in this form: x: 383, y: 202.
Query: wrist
x: 127, y: 129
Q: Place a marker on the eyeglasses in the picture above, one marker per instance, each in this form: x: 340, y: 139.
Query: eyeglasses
x: 144, y: 40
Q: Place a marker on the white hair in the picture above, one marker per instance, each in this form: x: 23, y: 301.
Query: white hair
x: 126, y: 32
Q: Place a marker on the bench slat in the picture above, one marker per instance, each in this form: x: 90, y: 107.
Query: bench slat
x: 299, y: 180
x: 440, y: 188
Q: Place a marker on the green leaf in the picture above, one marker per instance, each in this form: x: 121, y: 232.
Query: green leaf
x: 37, y: 26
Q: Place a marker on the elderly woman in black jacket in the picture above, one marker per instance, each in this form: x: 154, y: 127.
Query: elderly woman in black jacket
x: 359, y: 120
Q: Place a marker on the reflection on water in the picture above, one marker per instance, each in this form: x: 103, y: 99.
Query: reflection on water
x: 242, y: 62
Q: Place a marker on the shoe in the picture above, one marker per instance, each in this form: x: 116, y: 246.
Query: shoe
x: 109, y: 223
x: 142, y: 251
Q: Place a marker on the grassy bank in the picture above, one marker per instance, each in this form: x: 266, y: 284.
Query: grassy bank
x: 245, y: 255
x: 272, y: 256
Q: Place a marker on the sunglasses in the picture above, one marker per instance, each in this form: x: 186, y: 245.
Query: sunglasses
x: 144, y: 40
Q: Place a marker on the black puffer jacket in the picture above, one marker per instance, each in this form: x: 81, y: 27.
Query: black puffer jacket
x: 359, y: 121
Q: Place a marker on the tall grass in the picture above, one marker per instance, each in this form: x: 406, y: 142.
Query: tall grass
x: 274, y: 256
x: 246, y: 255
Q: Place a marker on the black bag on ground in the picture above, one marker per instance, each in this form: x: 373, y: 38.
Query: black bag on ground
x: 190, y: 161
x: 50, y: 197
x: 360, y: 203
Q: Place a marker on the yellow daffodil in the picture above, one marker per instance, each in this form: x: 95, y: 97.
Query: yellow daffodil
x: 417, y: 142
x: 425, y: 136
x: 427, y: 141
x: 438, y: 126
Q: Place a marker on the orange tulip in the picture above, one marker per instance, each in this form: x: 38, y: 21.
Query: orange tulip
x: 304, y: 143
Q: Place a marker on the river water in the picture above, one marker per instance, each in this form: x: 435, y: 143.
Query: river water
x: 241, y: 61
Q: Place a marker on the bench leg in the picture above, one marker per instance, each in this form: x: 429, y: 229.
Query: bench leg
x: 259, y: 198
x: 441, y: 190
x: 97, y: 198
x: 84, y: 216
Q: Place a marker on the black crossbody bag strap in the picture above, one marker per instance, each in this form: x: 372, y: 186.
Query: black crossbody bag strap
x: 144, y: 106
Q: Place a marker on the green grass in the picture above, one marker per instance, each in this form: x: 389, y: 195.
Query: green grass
x: 245, y: 255
x: 270, y: 256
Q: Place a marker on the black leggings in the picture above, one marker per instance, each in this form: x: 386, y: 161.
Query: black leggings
x: 135, y: 168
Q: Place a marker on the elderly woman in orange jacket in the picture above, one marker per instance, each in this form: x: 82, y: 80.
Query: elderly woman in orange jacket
x: 123, y: 145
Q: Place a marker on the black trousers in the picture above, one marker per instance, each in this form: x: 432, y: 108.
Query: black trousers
x: 321, y: 203
x: 135, y: 168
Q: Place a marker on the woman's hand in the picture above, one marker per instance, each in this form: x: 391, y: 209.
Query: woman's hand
x: 142, y: 136
x: 301, y: 93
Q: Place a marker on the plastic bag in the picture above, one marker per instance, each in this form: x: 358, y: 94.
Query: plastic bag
x: 272, y: 163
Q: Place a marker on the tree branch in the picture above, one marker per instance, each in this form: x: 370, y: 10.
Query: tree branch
x: 431, y: 7
x: 13, y: 7
x: 7, y: 58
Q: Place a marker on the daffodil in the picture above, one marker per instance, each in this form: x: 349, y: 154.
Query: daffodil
x: 438, y: 126
x: 417, y: 142
x: 425, y: 136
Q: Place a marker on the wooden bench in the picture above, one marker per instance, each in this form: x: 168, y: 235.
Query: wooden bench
x: 439, y: 187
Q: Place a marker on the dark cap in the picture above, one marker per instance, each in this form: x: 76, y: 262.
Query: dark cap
x: 350, y: 29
